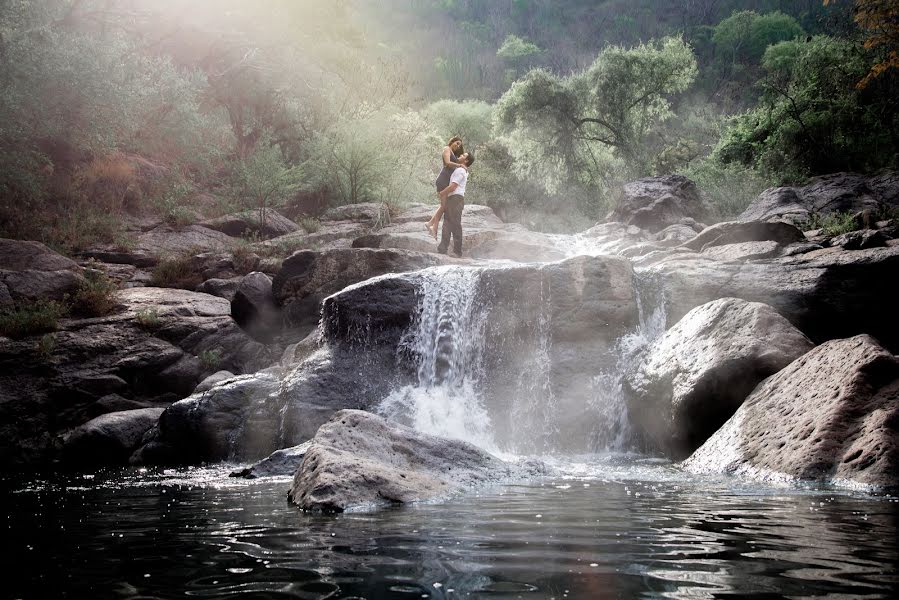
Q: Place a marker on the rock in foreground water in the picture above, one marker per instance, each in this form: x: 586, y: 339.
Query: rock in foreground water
x: 830, y: 416
x: 358, y: 459
x: 697, y: 374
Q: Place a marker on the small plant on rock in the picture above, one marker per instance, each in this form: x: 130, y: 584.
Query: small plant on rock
x: 244, y: 259
x: 46, y: 346
x: 97, y: 295
x: 148, y: 318
x: 310, y: 224
x: 41, y: 316
x: 178, y: 271
x: 211, y: 358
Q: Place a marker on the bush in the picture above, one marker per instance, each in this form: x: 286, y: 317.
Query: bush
x: 211, y: 359
x: 97, y: 295
x: 148, y: 318
x: 38, y: 317
x: 178, y: 271
x: 831, y: 224
x: 729, y: 189
x: 244, y: 259
x: 46, y: 345
x: 310, y: 224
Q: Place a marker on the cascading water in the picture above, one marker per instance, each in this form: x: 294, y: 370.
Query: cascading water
x: 613, y: 429
x: 447, y: 342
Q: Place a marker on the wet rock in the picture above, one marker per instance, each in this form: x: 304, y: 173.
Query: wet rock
x: 108, y: 439
x: 834, y: 193
x: 693, y: 378
x: 242, y: 224
x: 828, y: 294
x: 162, y: 342
x: 223, y: 288
x: 654, y: 203
x: 308, y: 277
x: 213, y: 380
x: 860, y: 240
x: 830, y: 416
x: 30, y: 271
x: 279, y: 463
x: 361, y: 460
x: 743, y: 251
x: 254, y: 308
x: 234, y: 420
x: 734, y: 232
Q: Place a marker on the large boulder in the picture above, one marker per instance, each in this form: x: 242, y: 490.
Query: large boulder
x: 371, y: 213
x: 835, y: 193
x: 154, y: 350
x: 108, y: 439
x: 30, y: 271
x: 735, y: 232
x: 279, y: 463
x: 254, y: 308
x: 830, y: 416
x: 827, y: 293
x: 361, y: 460
x: 694, y: 377
x: 234, y: 420
x: 308, y: 277
x: 654, y: 203
x: 167, y: 240
x: 242, y: 224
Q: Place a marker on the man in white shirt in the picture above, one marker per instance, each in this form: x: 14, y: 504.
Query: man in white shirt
x: 453, y: 197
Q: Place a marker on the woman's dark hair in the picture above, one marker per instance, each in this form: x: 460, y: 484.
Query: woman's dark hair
x: 456, y: 138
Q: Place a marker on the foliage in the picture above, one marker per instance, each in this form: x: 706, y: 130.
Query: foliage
x: 515, y: 48
x: 264, y: 180
x: 729, y: 188
x: 46, y: 346
x: 832, y: 224
x: 879, y: 19
x: 746, y: 34
x: 385, y: 157
x: 244, y: 259
x: 593, y: 123
x: 310, y: 224
x: 97, y: 295
x: 812, y: 120
x: 211, y: 358
x: 178, y: 271
x: 30, y: 319
x: 148, y: 318
x: 472, y: 120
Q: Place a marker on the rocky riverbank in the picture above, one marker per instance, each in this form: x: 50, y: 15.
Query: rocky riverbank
x: 650, y: 331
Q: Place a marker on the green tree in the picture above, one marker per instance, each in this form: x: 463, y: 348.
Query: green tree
x: 746, y: 34
x: 264, y: 181
x: 607, y: 111
x: 812, y: 119
x: 472, y: 120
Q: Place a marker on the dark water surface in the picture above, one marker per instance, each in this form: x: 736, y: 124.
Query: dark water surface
x: 613, y: 531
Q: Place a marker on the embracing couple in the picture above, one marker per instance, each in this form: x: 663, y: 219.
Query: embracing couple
x: 451, y: 189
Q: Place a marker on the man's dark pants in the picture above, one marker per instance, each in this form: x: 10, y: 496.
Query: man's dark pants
x: 452, y: 224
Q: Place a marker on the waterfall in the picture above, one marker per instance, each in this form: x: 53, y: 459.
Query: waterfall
x: 447, y: 342
x: 613, y: 429
x: 483, y: 378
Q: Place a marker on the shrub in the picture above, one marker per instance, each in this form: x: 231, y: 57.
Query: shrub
x: 148, y: 318
x: 831, y: 224
x: 310, y: 224
x: 46, y: 346
x: 178, y: 271
x: 244, y: 259
x: 97, y: 295
x: 38, y: 317
x: 729, y: 189
x: 211, y: 358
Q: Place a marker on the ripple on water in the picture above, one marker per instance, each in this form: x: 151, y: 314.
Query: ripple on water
x: 600, y: 527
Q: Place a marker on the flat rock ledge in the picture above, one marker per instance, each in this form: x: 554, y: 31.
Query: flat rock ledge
x: 831, y: 416
x: 359, y: 460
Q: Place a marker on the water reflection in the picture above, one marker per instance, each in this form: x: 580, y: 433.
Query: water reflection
x: 621, y: 531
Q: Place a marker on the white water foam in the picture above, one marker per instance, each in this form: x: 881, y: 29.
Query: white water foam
x: 447, y: 341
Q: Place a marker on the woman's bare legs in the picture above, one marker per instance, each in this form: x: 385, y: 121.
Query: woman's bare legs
x: 435, y: 220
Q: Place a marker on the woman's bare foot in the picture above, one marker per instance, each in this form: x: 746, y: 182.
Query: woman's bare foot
x: 432, y: 229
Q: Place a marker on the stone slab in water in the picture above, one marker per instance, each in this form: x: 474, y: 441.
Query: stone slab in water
x: 830, y: 416
x: 358, y: 459
x: 279, y: 463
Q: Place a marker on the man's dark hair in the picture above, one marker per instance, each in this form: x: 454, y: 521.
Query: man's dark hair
x: 470, y: 159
